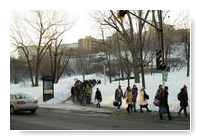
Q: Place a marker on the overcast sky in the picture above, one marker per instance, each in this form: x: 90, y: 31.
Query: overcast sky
x: 84, y: 25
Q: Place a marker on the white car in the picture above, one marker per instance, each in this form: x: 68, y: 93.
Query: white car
x: 22, y: 102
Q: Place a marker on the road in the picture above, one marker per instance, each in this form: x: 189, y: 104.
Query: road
x: 57, y: 119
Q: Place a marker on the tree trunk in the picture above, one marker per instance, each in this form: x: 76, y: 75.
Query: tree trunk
x: 136, y: 68
x: 120, y: 58
x: 30, y: 72
x: 37, y: 73
x: 51, y: 60
x: 26, y: 53
x: 109, y: 67
x: 187, y: 47
x: 128, y: 78
x: 141, y: 59
x: 141, y: 52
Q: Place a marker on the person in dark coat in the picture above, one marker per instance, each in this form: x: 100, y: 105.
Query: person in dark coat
x: 159, y: 92
x: 83, y: 95
x: 119, y: 96
x: 134, y: 93
x: 164, y: 103
x: 183, y: 98
x: 98, y: 97
x: 73, y: 92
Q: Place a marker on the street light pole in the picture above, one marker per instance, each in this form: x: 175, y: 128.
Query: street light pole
x: 160, y: 29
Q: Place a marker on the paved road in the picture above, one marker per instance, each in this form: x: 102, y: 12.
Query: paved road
x: 56, y: 119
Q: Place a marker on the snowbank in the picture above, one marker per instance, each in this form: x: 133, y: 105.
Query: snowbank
x: 62, y: 90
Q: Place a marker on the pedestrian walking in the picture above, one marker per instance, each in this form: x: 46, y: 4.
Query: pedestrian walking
x: 129, y: 98
x: 164, y: 103
x: 98, y: 97
x: 135, y: 94
x: 183, y: 98
x: 143, y: 100
x: 119, y: 96
x: 159, y: 92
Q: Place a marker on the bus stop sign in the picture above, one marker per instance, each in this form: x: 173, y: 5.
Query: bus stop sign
x: 48, y: 88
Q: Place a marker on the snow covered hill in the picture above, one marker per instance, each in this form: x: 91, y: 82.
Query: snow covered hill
x: 62, y: 90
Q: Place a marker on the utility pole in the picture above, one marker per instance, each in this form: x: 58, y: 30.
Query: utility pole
x: 164, y: 73
x: 122, y: 13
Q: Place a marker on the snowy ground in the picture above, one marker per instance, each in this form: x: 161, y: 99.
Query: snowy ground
x: 62, y: 91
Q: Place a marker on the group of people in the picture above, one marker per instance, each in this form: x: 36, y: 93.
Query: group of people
x: 131, y: 97
x: 82, y: 91
x: 161, y: 96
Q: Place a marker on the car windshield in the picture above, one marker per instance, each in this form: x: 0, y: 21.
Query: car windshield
x: 23, y: 96
x: 12, y: 97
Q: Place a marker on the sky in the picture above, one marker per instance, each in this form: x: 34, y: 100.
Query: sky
x: 84, y: 24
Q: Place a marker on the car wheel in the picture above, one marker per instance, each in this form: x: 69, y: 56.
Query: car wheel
x: 33, y: 111
x: 12, y: 110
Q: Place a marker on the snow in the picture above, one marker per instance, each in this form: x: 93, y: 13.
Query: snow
x: 62, y: 91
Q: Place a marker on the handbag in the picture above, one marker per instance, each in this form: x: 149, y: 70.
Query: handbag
x: 115, y: 103
x: 156, y: 102
x: 162, y: 110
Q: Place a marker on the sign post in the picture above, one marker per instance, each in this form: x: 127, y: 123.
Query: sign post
x: 48, y: 88
x: 164, y: 77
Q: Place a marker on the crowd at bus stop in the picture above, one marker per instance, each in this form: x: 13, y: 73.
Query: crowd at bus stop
x: 82, y: 91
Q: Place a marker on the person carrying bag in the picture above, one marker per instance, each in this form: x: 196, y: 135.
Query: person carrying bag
x: 164, y: 107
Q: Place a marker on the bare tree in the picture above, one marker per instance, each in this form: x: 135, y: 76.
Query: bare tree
x: 59, y: 58
x: 186, y: 40
x: 126, y: 31
x: 141, y: 41
x: 106, y: 48
x: 44, y: 27
x: 17, y: 39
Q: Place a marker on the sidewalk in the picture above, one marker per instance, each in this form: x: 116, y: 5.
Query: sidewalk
x: 76, y: 107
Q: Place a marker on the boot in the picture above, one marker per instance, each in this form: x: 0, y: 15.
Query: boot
x: 148, y: 110
x: 141, y: 110
x: 185, y: 112
x: 127, y: 109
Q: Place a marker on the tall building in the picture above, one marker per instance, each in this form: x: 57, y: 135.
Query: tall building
x: 89, y: 44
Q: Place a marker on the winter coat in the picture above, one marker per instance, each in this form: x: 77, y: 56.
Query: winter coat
x: 142, y: 100
x: 158, y: 93
x: 118, y: 94
x: 89, y: 92
x: 83, y: 93
x: 134, y: 93
x: 73, y: 90
x: 183, y: 98
x: 98, y: 96
x: 164, y: 99
x: 129, y: 96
